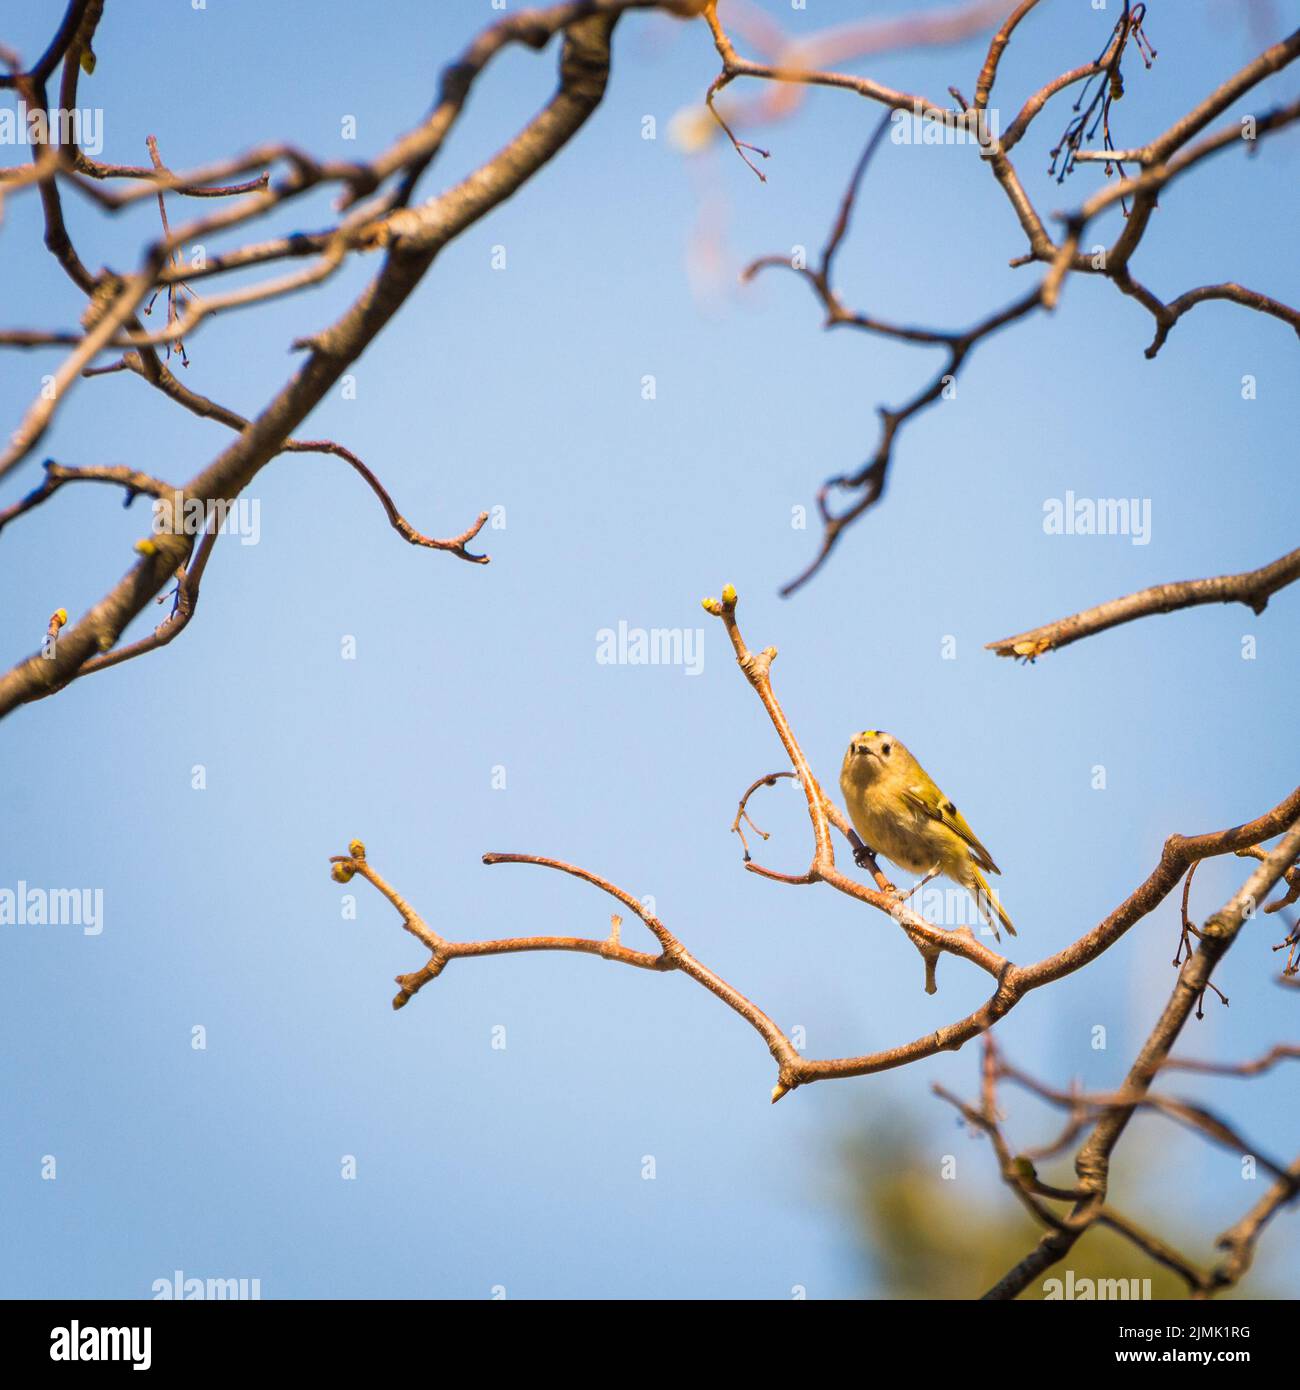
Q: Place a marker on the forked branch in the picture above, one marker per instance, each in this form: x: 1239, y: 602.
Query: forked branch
x: 1012, y: 982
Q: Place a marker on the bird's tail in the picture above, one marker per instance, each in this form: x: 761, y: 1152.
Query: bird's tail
x: 987, y: 902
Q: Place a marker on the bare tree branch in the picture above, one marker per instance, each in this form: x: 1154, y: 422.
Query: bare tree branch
x: 1254, y: 588
x: 1093, y: 1161
x: 1270, y: 1059
x: 1162, y: 160
x: 411, y: 238
x: 57, y: 474
x: 1013, y: 982
x: 1019, y: 1173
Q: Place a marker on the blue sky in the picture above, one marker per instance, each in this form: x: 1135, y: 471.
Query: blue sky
x: 522, y: 1168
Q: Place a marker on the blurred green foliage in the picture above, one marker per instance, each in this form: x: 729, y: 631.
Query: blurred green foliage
x: 927, y: 1237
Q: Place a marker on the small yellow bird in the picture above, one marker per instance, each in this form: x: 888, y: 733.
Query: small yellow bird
x: 900, y: 812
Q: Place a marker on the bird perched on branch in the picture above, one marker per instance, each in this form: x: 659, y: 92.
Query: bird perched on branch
x: 899, y: 811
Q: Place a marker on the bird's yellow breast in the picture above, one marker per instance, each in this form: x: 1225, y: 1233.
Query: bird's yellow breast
x: 905, y: 836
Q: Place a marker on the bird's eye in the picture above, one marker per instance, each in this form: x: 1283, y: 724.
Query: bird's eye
x: 884, y: 748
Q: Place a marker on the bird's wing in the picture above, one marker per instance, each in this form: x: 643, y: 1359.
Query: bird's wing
x: 939, y: 808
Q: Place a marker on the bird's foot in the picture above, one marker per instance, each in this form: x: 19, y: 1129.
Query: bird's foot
x: 904, y: 895
x: 865, y: 859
